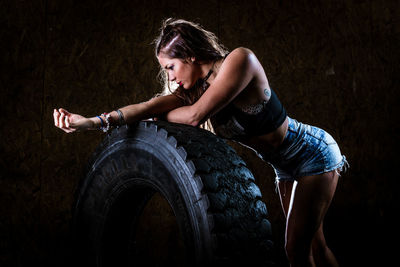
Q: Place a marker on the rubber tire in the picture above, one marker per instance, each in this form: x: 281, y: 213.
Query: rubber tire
x: 212, y: 193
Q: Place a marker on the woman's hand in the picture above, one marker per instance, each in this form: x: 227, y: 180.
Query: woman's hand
x: 69, y: 122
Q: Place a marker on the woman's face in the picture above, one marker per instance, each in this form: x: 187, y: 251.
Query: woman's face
x: 184, y: 73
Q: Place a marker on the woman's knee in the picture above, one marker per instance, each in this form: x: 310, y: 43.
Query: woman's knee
x: 319, y: 242
x: 298, y: 249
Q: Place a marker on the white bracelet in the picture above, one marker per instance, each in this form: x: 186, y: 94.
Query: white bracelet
x: 108, y: 126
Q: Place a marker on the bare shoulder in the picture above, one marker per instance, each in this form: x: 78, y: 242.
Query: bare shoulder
x: 241, y: 56
x: 240, y: 53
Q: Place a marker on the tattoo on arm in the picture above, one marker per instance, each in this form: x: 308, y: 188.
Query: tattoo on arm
x: 267, y: 93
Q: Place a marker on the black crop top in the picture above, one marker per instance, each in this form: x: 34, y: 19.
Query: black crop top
x: 233, y: 123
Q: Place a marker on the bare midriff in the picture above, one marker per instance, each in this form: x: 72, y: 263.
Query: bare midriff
x: 266, y: 143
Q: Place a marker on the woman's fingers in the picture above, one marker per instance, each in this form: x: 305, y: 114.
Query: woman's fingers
x: 61, y: 121
x: 66, y: 115
x: 55, y: 116
x: 67, y: 121
x: 64, y: 111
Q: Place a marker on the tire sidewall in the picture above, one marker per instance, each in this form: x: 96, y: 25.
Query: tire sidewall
x: 125, y: 162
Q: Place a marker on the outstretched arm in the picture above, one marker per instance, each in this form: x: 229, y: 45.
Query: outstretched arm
x: 70, y: 122
x: 149, y: 109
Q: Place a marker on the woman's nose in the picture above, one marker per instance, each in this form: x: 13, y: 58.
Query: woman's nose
x: 171, y: 77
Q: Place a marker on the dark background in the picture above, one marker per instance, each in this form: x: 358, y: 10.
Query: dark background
x: 334, y: 64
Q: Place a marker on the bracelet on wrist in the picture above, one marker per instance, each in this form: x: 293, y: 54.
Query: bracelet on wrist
x: 107, y: 126
x: 101, y: 121
x: 106, y: 123
x: 121, y: 120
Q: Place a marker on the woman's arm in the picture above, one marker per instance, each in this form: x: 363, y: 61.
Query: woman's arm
x: 235, y: 74
x: 70, y: 122
x: 149, y: 109
x: 183, y: 115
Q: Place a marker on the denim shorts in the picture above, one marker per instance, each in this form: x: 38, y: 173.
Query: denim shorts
x: 305, y: 151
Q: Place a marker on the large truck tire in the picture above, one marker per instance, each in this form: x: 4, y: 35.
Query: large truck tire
x: 218, y: 208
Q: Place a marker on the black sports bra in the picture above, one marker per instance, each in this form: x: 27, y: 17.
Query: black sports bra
x: 233, y: 123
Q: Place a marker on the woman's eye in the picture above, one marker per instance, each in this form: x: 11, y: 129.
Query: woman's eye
x: 171, y: 67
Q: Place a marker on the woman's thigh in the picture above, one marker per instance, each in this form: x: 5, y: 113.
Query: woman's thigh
x: 311, y: 197
x: 285, y: 194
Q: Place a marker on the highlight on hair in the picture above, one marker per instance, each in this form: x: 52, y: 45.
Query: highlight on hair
x: 183, y: 39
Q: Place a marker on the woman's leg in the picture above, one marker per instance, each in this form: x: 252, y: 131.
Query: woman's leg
x: 285, y: 194
x: 309, y: 201
x: 322, y: 255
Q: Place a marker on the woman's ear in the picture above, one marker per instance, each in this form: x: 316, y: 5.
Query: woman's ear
x: 191, y: 60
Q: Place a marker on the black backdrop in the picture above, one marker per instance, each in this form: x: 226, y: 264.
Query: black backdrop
x: 333, y: 64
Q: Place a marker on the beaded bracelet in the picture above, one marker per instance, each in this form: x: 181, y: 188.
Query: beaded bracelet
x: 108, y: 126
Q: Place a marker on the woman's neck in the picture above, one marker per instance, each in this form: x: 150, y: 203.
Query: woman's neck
x: 205, y: 69
x: 212, y: 66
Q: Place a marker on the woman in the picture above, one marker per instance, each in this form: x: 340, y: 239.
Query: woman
x: 232, y: 91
